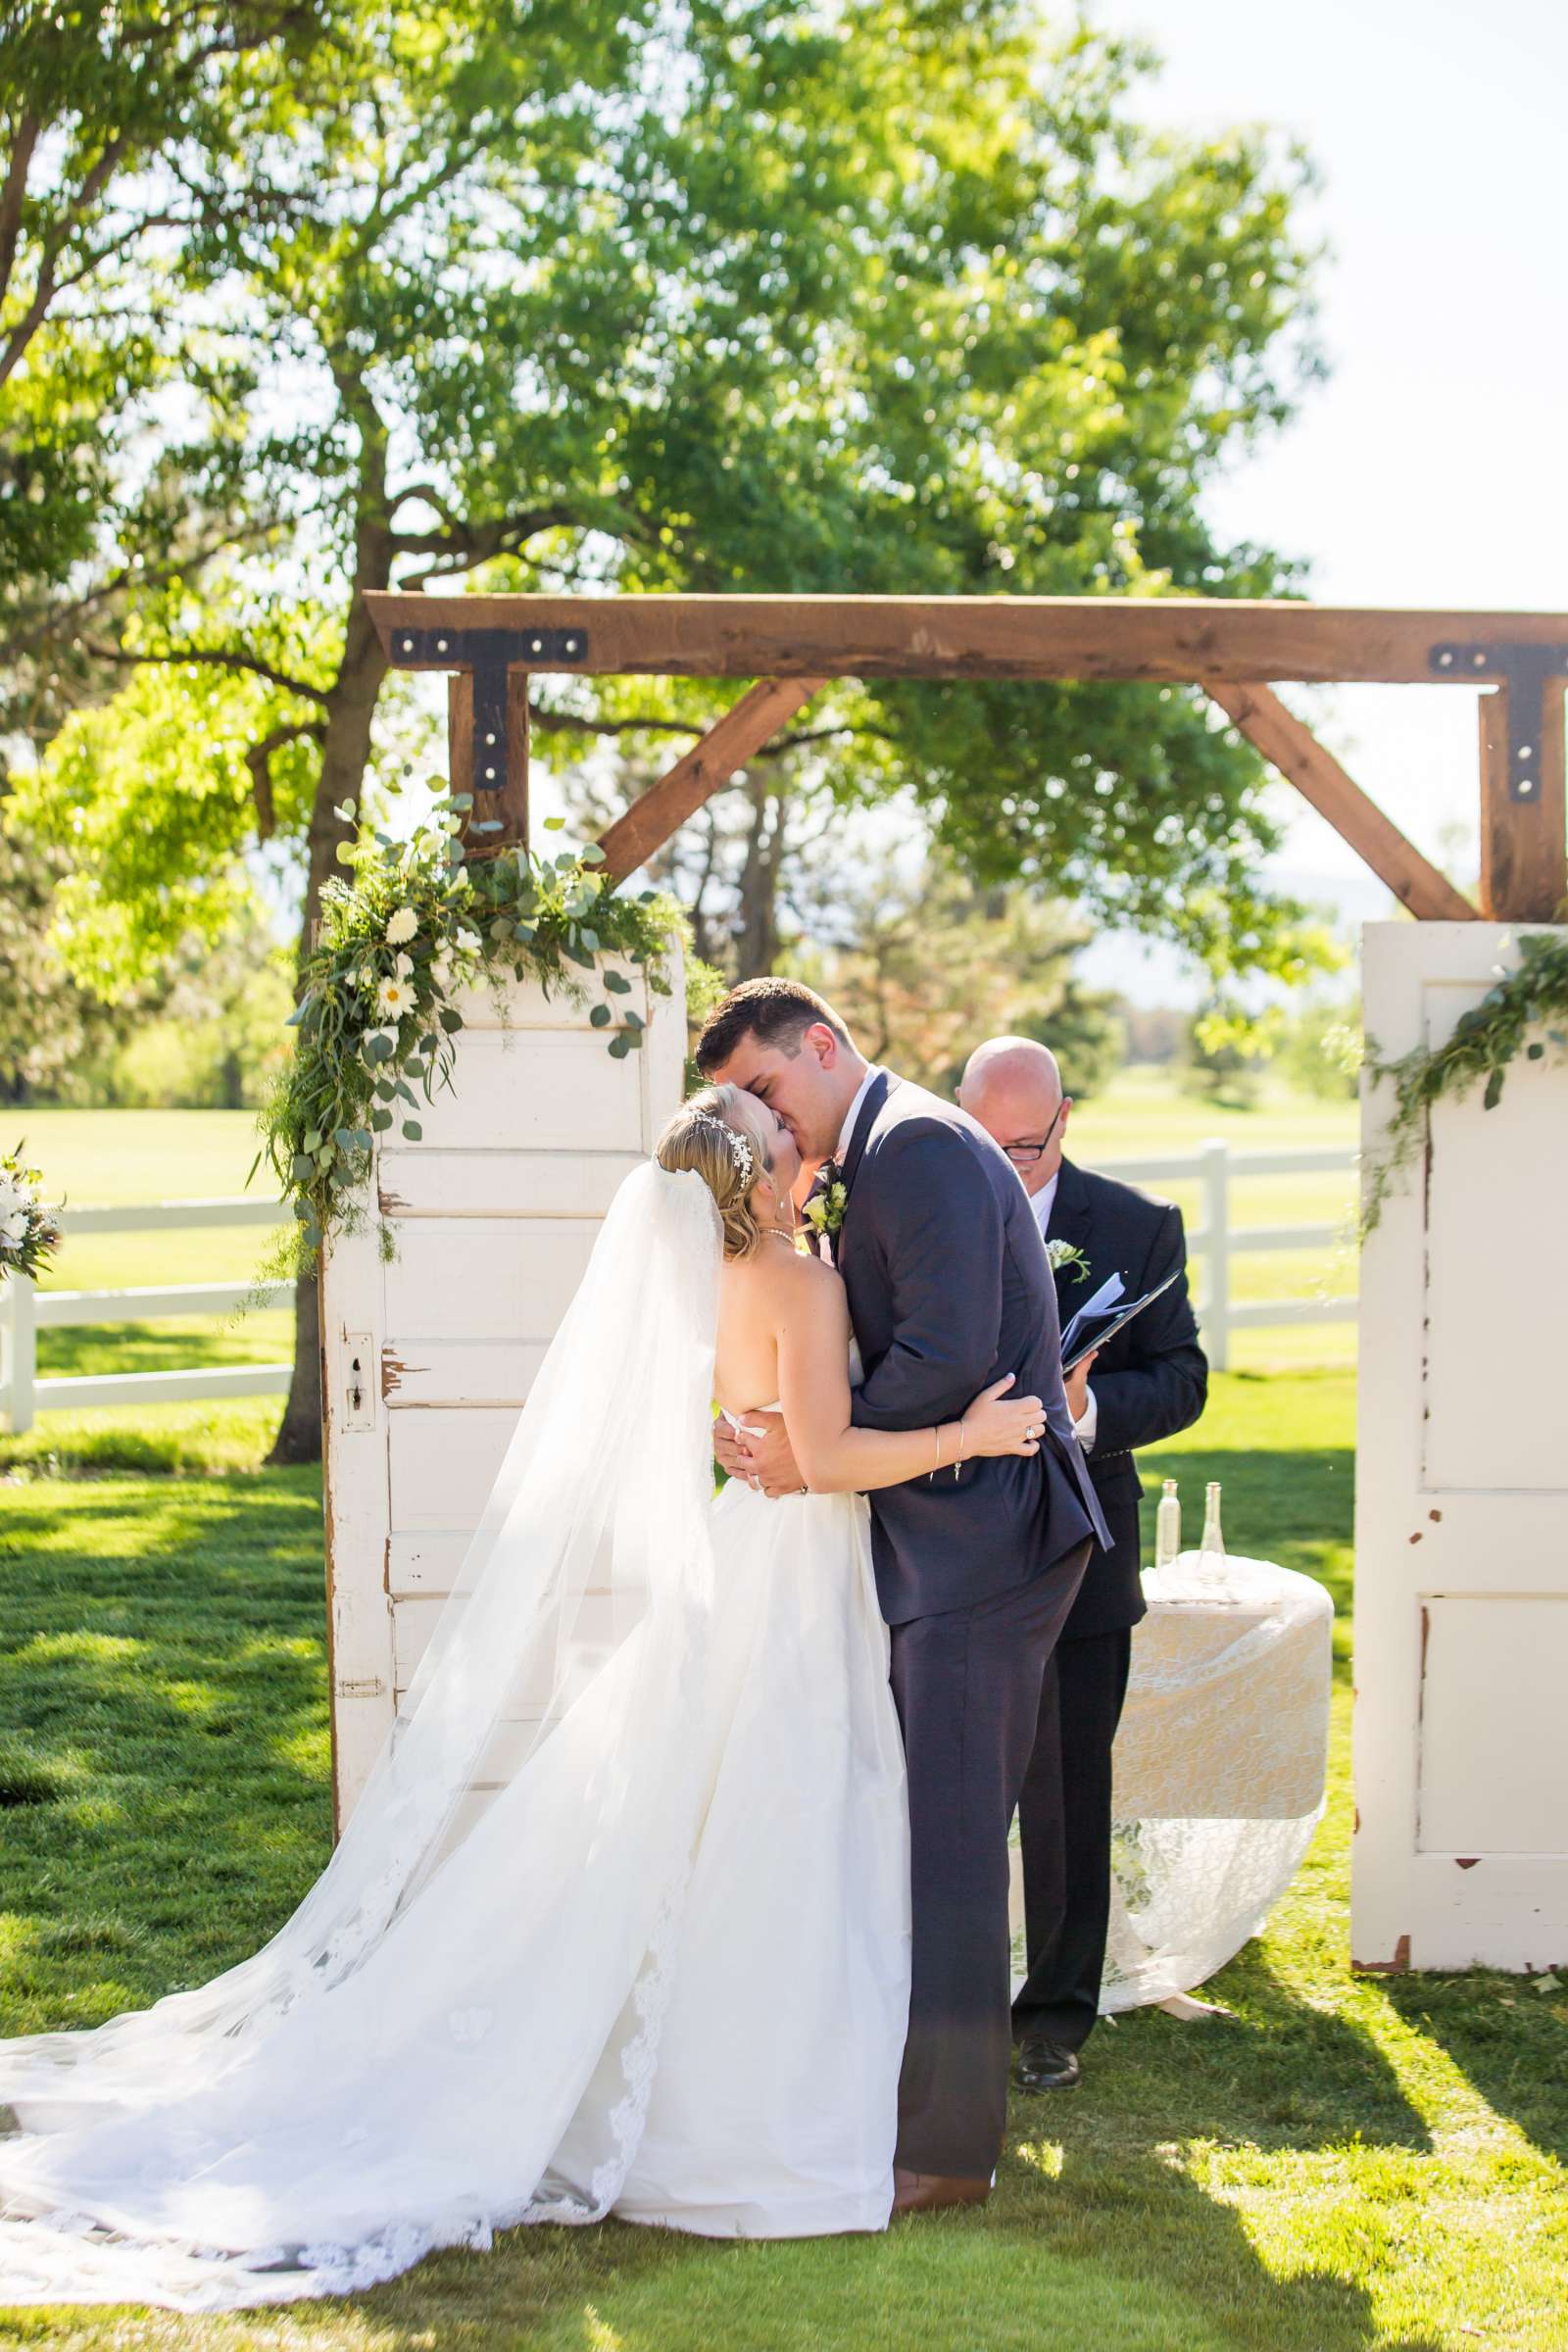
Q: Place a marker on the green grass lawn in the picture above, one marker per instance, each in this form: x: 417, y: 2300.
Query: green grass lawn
x: 1360, y: 2163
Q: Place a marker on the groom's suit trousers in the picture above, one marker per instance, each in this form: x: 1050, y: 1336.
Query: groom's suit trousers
x: 967, y: 1684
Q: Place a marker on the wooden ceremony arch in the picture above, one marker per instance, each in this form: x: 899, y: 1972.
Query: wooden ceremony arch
x: 1461, y: 1627
x: 1236, y: 650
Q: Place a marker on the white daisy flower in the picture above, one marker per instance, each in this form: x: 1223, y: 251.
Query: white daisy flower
x: 393, y: 998
x: 402, y: 927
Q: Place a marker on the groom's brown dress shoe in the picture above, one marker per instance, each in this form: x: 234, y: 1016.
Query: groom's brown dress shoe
x: 1046, y: 2065
x: 929, y: 2193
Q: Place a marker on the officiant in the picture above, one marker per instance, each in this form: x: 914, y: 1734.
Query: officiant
x: 1150, y: 1380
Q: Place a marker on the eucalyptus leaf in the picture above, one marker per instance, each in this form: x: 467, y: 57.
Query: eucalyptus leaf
x: 413, y: 1131
x: 601, y: 1016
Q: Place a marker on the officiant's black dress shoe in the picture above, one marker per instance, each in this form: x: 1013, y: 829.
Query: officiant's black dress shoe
x: 1044, y: 2065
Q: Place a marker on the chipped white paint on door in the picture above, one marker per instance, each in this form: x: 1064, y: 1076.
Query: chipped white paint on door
x: 1460, y: 1853
x: 427, y: 1358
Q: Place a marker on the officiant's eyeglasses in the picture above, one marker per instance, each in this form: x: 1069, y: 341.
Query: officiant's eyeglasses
x: 1024, y: 1155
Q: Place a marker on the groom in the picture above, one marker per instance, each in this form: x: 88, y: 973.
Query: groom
x: 976, y: 1570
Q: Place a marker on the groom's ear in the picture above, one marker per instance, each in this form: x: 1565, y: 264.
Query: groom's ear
x: 822, y: 1042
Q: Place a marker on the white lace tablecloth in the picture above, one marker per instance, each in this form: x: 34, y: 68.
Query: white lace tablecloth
x: 1219, y: 1772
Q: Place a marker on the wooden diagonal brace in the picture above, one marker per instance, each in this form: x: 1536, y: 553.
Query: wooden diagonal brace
x: 700, y: 772
x: 1258, y: 712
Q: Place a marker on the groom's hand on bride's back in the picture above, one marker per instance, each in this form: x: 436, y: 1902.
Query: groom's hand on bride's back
x: 763, y: 1455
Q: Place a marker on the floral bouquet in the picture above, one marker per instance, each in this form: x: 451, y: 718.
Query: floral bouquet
x: 29, y: 1232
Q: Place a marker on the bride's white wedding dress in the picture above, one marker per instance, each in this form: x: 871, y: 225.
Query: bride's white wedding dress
x: 659, y: 1970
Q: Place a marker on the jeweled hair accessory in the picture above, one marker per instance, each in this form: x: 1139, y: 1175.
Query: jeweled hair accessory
x: 740, y: 1150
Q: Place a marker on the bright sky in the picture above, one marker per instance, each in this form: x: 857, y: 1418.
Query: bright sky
x: 1426, y: 470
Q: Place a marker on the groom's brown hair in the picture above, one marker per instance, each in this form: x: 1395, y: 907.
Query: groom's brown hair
x: 776, y: 1012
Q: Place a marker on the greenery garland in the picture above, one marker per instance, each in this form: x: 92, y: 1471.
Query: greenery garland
x: 377, y: 1021
x: 1483, y: 1043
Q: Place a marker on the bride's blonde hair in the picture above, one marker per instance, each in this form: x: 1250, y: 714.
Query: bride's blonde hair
x: 719, y: 1135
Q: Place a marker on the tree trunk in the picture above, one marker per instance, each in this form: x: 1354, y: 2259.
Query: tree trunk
x: 756, y: 940
x: 345, y: 753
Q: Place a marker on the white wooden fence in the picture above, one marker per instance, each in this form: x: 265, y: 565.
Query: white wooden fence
x: 25, y: 1309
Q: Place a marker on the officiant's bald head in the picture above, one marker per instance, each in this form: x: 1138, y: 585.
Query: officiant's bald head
x: 1012, y: 1086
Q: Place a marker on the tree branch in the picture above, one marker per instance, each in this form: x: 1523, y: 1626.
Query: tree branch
x: 213, y: 657
x: 259, y: 759
x: 571, y: 722
x: 475, y: 543
x: 14, y: 194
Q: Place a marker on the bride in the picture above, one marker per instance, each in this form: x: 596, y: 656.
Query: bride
x: 620, y: 1922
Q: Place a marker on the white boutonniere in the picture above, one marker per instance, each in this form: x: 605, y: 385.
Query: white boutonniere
x: 824, y: 1210
x: 1062, y: 1256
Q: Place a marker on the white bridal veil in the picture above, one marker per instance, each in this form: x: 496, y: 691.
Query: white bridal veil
x: 457, y: 2029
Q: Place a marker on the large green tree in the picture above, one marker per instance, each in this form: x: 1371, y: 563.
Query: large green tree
x: 894, y: 295
x: 116, y: 118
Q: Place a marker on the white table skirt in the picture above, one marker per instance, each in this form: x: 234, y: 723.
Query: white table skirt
x: 1219, y: 1773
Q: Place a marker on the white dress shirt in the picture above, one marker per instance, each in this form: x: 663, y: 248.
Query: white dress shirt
x: 1085, y: 1425
x: 847, y: 1131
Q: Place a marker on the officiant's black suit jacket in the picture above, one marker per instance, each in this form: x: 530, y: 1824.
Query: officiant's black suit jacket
x: 1148, y: 1382
x: 950, y: 1287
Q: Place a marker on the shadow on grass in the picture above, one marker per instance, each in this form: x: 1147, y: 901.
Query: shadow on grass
x: 173, y: 1344
x: 161, y: 1663
x: 1510, y: 2042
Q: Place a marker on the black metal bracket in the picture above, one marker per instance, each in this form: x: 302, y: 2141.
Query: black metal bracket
x: 489, y: 653
x: 1527, y: 671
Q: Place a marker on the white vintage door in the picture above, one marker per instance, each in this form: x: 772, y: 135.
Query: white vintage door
x: 1461, y: 1573
x: 428, y: 1356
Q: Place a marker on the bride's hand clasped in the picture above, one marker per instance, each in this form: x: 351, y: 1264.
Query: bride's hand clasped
x: 996, y: 1423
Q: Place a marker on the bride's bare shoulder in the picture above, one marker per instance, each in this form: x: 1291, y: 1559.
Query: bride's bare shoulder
x: 778, y: 1274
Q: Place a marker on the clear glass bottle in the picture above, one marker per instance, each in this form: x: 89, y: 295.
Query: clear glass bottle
x: 1167, y: 1526
x: 1211, y: 1551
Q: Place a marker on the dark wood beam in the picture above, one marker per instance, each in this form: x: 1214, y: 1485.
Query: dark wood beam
x: 1166, y: 638
x: 507, y: 805
x: 698, y: 773
x: 1524, y: 833
x: 1290, y: 747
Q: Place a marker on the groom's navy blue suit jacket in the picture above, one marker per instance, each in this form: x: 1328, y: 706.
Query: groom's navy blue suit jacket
x: 950, y: 1287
